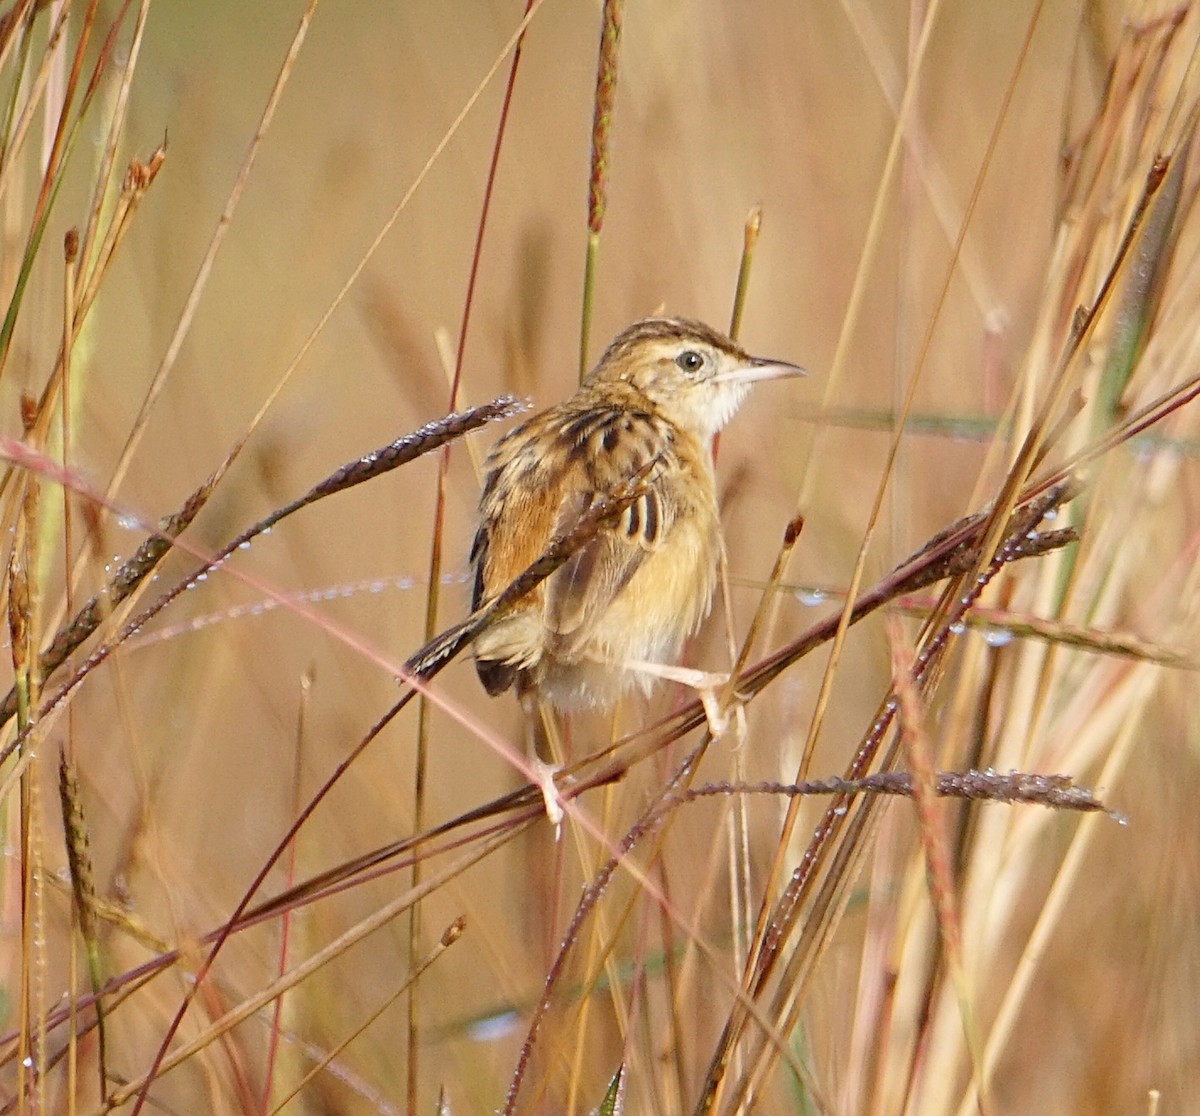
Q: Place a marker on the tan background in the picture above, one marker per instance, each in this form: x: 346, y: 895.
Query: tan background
x: 187, y: 746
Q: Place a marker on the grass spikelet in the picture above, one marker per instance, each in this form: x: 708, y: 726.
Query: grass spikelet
x: 602, y: 112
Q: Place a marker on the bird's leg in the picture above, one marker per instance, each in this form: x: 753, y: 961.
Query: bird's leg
x: 542, y: 737
x: 709, y: 689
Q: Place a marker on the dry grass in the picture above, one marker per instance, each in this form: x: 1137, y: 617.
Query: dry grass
x: 978, y: 233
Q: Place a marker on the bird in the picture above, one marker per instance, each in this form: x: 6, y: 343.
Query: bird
x: 615, y: 615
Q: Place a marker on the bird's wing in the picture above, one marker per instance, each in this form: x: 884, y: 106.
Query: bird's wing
x: 604, y: 448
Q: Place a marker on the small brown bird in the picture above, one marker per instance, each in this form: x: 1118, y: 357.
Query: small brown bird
x: 617, y: 612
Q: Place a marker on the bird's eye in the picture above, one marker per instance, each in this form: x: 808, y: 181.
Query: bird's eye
x: 690, y: 361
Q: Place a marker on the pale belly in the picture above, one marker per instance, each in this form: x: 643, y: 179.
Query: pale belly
x: 663, y: 604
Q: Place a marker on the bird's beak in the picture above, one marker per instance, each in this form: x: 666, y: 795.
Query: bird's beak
x: 760, y: 368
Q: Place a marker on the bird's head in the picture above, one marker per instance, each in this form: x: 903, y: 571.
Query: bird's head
x: 695, y: 376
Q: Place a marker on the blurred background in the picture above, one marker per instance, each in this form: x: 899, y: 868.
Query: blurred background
x: 190, y: 742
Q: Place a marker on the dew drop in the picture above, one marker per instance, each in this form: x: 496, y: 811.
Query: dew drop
x: 494, y: 1027
x: 129, y: 522
x: 811, y: 597
x: 957, y: 628
x: 998, y: 637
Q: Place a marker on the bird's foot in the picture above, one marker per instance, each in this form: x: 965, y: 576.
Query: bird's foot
x: 543, y: 774
x: 709, y: 687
